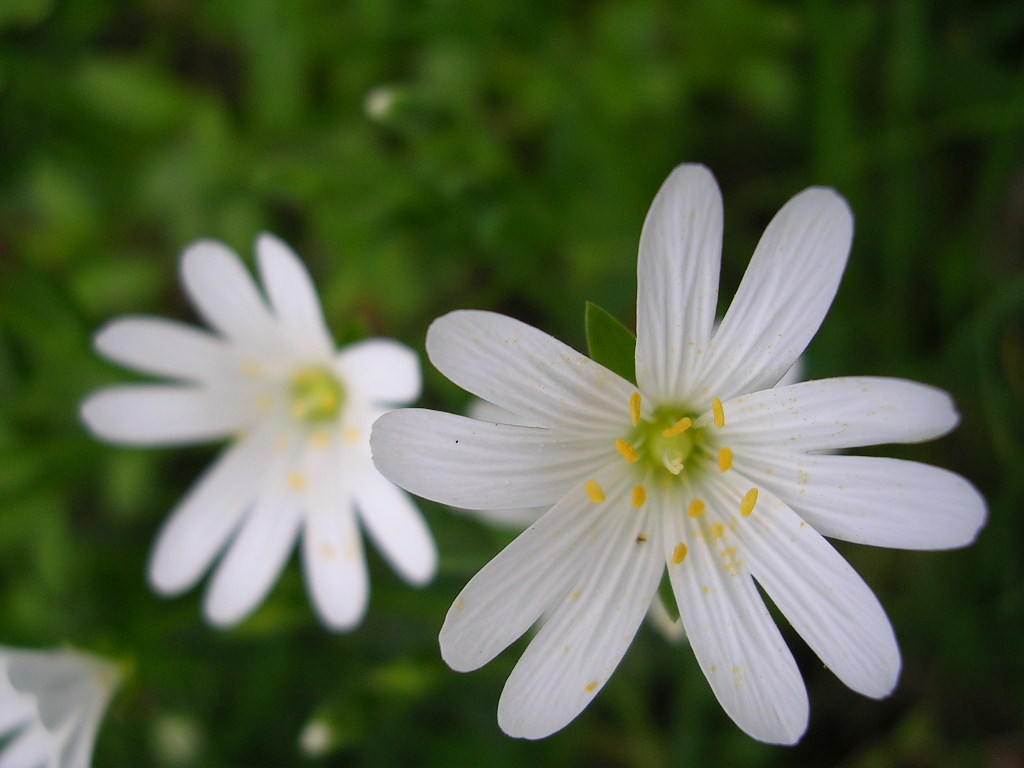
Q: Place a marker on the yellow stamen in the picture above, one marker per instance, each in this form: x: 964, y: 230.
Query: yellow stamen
x: 639, y: 496
x: 591, y: 686
x: 320, y: 438
x: 748, y: 502
x: 634, y: 408
x: 725, y: 460
x: 297, y: 481
x: 251, y: 368
x: 594, y: 492
x: 696, y: 508
x: 679, y: 553
x: 716, y: 406
x: 628, y: 451
x: 679, y: 427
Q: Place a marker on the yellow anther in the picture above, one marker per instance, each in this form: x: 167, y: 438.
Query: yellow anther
x: 724, y: 460
x: 350, y: 435
x: 679, y: 427
x: 719, y: 411
x: 679, y: 553
x: 265, y: 402
x: 251, y: 369
x: 639, y: 496
x: 595, y: 492
x: 628, y: 451
x: 748, y: 502
x: 591, y: 686
x: 634, y: 408
x: 320, y: 438
x: 297, y: 481
x: 696, y: 508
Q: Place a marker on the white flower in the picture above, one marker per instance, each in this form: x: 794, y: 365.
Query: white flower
x: 51, y: 705
x: 703, y: 468
x: 657, y: 615
x: 300, y: 415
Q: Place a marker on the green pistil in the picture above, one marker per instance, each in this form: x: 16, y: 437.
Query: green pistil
x: 670, y: 452
x: 316, y: 395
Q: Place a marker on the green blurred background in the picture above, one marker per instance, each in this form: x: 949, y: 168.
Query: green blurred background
x: 464, y: 153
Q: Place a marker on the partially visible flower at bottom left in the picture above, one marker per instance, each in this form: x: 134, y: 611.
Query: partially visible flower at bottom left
x: 51, y: 705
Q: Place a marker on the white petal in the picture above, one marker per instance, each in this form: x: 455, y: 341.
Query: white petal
x: 784, y: 296
x: 794, y: 375
x: 156, y: 414
x: 677, y: 282
x: 869, y: 500
x: 382, y: 370
x: 481, y: 465
x: 845, y: 412
x: 332, y: 550
x: 256, y: 556
x: 32, y: 747
x: 526, y: 578
x: 293, y: 298
x: 481, y: 410
x: 164, y: 348
x: 514, y: 519
x: 528, y: 372
x: 585, y: 637
x: 199, y: 527
x: 396, y: 527
x: 223, y: 292
x: 820, y: 594
x: 738, y: 647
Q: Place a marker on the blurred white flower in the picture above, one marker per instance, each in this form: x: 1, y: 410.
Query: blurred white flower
x: 51, y: 705
x: 299, y: 414
x: 705, y: 468
x: 380, y: 101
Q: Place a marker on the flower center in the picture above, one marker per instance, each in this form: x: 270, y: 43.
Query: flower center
x: 316, y: 395
x: 667, y: 440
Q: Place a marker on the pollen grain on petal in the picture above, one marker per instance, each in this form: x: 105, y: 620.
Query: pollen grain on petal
x: 628, y: 451
x: 251, y: 369
x: 639, y: 496
x: 595, y: 492
x: 748, y: 502
x: 696, y: 508
x: 297, y: 481
x: 719, y: 412
x: 591, y: 686
x: 634, y: 408
x: 264, y: 403
x: 725, y: 460
x: 679, y: 427
x: 679, y: 553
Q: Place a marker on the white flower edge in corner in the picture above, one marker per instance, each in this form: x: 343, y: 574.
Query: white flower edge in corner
x: 51, y: 706
x: 704, y: 469
x: 299, y: 415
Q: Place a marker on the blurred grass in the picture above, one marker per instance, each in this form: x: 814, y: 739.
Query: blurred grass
x: 427, y: 156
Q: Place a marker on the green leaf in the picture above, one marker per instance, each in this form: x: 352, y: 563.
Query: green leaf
x: 610, y: 343
x: 668, y: 598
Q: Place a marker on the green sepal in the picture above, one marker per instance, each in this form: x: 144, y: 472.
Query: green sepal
x: 668, y: 598
x: 610, y: 343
